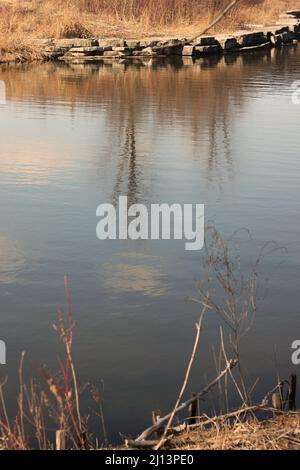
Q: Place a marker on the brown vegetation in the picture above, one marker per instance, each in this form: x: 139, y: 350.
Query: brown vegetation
x: 280, y: 433
x: 20, y: 20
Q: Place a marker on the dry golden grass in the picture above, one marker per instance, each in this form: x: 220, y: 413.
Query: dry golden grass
x: 280, y: 433
x: 22, y: 20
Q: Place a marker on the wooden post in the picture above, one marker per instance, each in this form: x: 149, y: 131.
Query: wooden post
x: 60, y: 440
x: 277, y: 402
x: 292, y: 392
x: 281, y: 393
x: 193, y: 410
x: 156, y: 415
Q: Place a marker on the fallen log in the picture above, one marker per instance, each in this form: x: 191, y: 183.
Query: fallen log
x: 215, y: 21
x: 145, y: 444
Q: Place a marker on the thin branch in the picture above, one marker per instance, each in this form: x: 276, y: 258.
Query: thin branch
x: 221, y: 15
x: 218, y: 18
x: 186, y: 378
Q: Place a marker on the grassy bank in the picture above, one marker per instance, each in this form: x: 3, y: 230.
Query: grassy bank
x: 20, y: 21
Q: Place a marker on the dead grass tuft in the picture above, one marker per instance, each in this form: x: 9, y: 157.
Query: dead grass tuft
x: 74, y: 29
x: 279, y: 433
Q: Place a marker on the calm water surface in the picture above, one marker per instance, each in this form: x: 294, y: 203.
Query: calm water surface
x: 222, y: 133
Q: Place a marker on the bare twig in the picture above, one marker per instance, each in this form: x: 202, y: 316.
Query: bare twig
x: 21, y: 398
x: 187, y: 375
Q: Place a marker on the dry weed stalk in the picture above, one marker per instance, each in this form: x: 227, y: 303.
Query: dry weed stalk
x: 187, y: 374
x: 59, y: 402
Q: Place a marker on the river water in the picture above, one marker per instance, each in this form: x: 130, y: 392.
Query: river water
x: 224, y: 133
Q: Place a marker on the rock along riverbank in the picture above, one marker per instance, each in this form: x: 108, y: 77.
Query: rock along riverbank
x: 79, y: 50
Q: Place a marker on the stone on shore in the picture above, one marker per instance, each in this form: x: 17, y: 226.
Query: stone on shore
x: 134, y: 44
x: 81, y: 59
x: 297, y: 31
x: 294, y: 14
x: 206, y: 50
x: 76, y: 42
x: 284, y: 29
x: 170, y: 47
x: 112, y: 42
x: 252, y: 39
x: 198, y: 51
x: 188, y: 50
x: 53, y: 53
x: 118, y: 52
x: 146, y: 52
x: 85, y: 51
x: 206, y: 41
x: 288, y: 37
x: 125, y: 50
x: 172, y: 50
x: 229, y: 44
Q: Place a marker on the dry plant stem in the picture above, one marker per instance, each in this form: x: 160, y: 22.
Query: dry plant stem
x: 106, y: 440
x: 6, y: 427
x: 19, y: 444
x: 230, y: 373
x: 35, y: 406
x: 21, y: 397
x: 186, y: 378
x: 69, y: 344
x: 4, y: 407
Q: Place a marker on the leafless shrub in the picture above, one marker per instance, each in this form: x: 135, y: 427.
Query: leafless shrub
x: 55, y: 406
x: 233, y: 294
x: 74, y: 29
x: 233, y: 291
